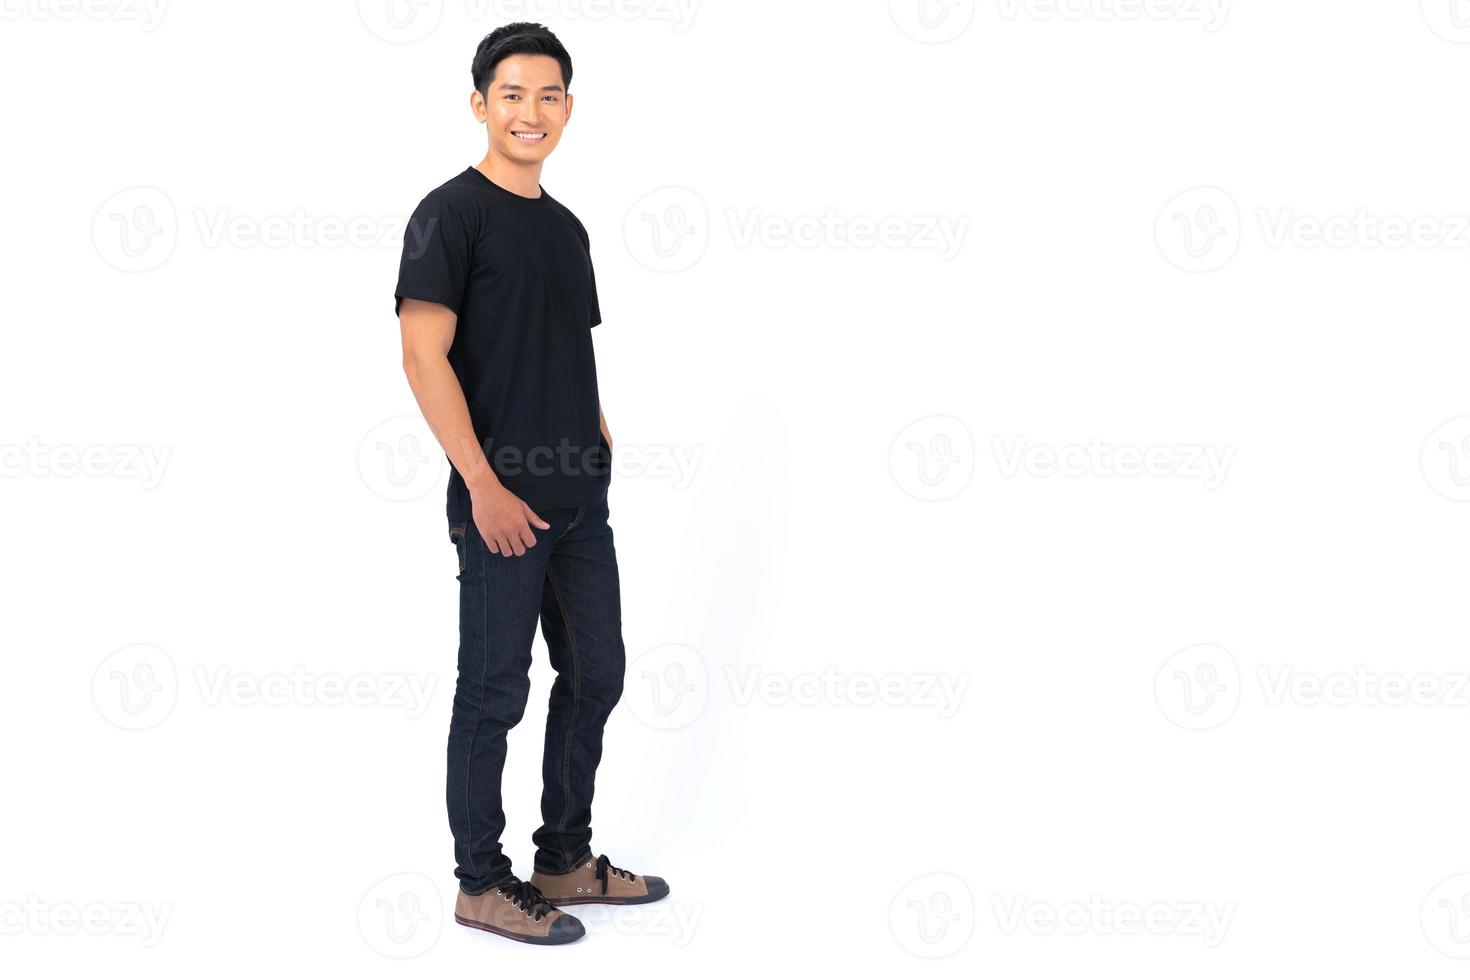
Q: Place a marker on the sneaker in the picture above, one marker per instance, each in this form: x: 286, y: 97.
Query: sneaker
x: 598, y: 881
x: 517, y: 910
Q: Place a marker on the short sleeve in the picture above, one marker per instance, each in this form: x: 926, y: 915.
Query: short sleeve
x: 594, y: 310
x: 436, y: 255
x: 592, y: 292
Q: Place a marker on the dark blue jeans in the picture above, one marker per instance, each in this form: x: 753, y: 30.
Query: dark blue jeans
x: 569, y: 582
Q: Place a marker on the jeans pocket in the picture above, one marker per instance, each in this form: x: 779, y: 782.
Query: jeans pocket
x: 457, y: 536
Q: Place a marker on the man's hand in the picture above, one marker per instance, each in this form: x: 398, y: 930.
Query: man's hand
x: 504, y: 521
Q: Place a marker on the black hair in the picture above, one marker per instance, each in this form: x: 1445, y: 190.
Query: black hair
x: 522, y: 37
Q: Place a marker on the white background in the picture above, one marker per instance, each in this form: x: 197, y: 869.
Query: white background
x: 1224, y: 700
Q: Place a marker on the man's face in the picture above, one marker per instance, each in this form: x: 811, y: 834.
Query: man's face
x: 524, y: 107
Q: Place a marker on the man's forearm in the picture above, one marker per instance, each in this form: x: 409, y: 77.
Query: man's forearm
x: 442, y: 401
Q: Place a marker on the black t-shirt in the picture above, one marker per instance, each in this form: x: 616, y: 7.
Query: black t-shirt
x: 517, y: 271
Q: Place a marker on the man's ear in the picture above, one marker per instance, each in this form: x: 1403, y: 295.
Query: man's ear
x: 477, y: 106
x: 569, y: 108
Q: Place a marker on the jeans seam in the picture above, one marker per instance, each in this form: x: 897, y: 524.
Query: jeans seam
x: 566, y: 765
x: 575, y: 519
x: 469, y: 846
x: 459, y: 529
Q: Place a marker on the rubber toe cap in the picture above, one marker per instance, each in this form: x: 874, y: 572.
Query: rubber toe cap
x: 566, y: 928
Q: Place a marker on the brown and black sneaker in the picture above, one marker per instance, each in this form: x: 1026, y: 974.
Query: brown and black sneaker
x: 601, y: 882
x: 517, y: 910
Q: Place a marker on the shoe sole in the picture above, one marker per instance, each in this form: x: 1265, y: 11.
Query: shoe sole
x: 623, y: 900
x: 533, y: 940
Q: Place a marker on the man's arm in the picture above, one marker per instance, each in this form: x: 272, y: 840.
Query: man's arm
x: 602, y: 423
x: 502, y: 518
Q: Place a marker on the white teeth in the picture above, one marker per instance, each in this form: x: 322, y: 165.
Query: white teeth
x: 529, y: 136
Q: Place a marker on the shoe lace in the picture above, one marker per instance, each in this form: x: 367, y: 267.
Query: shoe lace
x: 527, y: 897
x: 604, y: 866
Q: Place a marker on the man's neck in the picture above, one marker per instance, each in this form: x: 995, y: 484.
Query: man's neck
x: 518, y: 178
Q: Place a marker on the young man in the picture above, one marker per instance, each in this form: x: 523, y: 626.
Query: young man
x: 496, y: 300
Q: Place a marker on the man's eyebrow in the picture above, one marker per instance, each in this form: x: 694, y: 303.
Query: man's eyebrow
x: 522, y: 88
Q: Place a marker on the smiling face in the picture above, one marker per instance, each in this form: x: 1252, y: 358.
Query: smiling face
x: 524, y: 107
